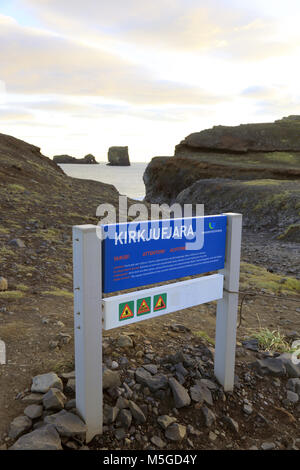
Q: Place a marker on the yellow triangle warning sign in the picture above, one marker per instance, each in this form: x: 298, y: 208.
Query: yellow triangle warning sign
x: 144, y: 307
x: 126, y: 312
x: 160, y: 304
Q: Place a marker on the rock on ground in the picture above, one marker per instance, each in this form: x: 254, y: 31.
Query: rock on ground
x: 180, y: 394
x: 43, y: 383
x: 67, y: 424
x: 19, y: 426
x: 44, y: 438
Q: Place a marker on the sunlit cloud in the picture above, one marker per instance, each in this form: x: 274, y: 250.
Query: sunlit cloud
x: 80, y: 77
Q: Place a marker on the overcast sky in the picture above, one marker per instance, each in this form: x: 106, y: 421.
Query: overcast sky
x: 78, y: 76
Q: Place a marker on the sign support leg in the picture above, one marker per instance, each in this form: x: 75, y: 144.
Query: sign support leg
x: 88, y: 327
x: 227, y: 306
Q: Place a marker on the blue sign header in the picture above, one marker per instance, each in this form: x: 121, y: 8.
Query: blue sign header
x: 148, y: 252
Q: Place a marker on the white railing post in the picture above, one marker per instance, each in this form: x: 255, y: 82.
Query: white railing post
x: 88, y: 326
x: 227, y: 307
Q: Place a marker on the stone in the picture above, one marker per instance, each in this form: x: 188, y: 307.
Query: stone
x: 180, y: 394
x: 118, y: 156
x: 294, y: 385
x: 209, y: 416
x: 110, y: 414
x: 44, y: 438
x: 175, y: 432
x: 209, y: 384
x: 268, y: 445
x: 33, y: 398
x: 137, y: 413
x: 231, y: 423
x: 71, y: 386
x: 153, y: 382
x: 292, y: 397
x: 3, y: 283
x: 164, y: 421
x: 17, y: 243
x: 270, y: 366
x: 152, y: 368
x: 33, y: 411
x: 212, y: 436
x: 114, y: 365
x: 247, y: 409
x: 68, y: 375
x: 158, y: 442
x: 122, y: 403
x: 124, y: 341
x: 43, y: 383
x: 54, y: 399
x: 67, y: 424
x: 124, y: 418
x: 292, y: 370
x: 19, y: 426
x: 111, y: 379
x: 70, y: 404
x: 120, y: 434
x: 200, y: 393
x: 251, y: 344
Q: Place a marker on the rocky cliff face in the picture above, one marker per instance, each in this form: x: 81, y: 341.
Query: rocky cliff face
x: 271, y: 205
x: 118, y: 156
x: 245, y: 152
x: 281, y: 136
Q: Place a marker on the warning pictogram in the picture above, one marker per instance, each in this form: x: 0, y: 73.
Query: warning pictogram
x: 144, y: 306
x: 160, y: 302
x: 126, y: 310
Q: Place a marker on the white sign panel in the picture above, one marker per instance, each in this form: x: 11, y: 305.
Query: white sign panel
x: 141, y: 305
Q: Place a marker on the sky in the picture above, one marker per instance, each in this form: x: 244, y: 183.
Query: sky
x: 78, y: 77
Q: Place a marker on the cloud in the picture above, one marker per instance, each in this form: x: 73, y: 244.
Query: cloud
x: 15, y: 114
x: 226, y: 28
x: 274, y: 100
x: 34, y: 61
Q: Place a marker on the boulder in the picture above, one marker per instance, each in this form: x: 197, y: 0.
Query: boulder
x: 67, y: 424
x: 19, y: 426
x: 118, y: 156
x: 175, y: 432
x: 111, y: 379
x: 42, y: 383
x: 54, y: 399
x: 44, y: 438
x: 180, y: 394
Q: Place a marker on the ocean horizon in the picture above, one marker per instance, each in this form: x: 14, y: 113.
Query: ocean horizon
x: 128, y: 180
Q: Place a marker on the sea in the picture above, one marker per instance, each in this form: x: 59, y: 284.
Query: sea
x: 128, y: 180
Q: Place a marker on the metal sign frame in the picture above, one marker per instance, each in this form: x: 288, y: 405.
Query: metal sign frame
x: 92, y: 312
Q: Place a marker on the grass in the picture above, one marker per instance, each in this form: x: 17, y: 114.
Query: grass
x: 13, y: 331
x: 203, y: 335
x: 11, y: 295
x: 259, y: 278
x: 16, y: 187
x: 272, y: 340
x: 58, y: 293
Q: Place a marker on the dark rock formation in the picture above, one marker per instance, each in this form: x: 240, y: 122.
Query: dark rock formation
x: 118, y: 156
x: 245, y: 152
x: 280, y: 136
x: 88, y: 159
x: 265, y: 204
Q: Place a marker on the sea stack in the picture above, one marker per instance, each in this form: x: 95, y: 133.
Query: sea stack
x: 118, y: 156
